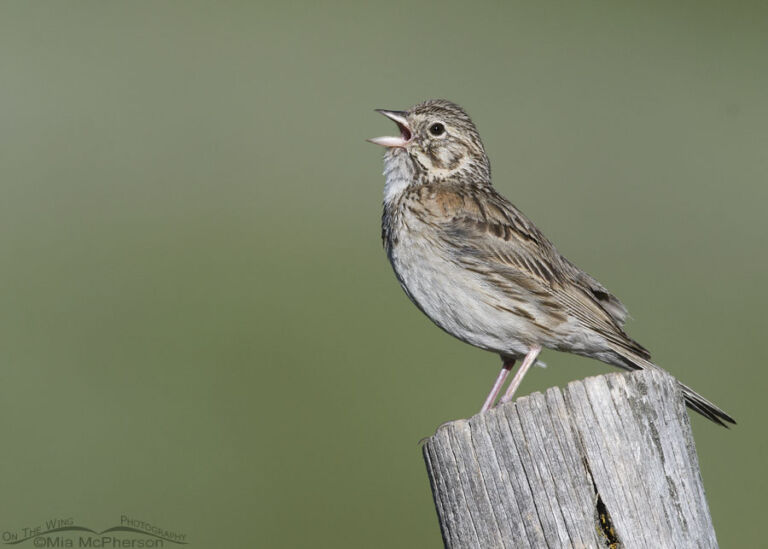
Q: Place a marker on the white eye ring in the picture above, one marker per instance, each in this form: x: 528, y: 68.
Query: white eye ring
x: 437, y: 129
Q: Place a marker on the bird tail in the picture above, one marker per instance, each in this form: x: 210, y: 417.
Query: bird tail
x: 631, y: 361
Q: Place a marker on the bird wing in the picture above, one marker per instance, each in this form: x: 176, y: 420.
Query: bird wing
x: 488, y: 235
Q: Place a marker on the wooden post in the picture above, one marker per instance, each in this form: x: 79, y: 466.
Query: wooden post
x: 607, y: 462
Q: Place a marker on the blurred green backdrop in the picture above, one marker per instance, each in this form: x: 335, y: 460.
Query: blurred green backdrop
x: 199, y: 327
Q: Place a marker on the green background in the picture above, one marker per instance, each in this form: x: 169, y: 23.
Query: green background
x: 198, y: 325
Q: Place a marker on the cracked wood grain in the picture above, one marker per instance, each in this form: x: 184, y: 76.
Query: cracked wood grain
x: 608, y: 461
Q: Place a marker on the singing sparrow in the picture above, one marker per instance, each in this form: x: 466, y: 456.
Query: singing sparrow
x: 481, y: 270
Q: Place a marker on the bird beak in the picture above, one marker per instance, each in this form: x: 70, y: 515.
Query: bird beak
x: 399, y: 118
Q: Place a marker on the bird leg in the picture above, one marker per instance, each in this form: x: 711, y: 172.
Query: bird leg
x: 506, y: 367
x: 528, y: 361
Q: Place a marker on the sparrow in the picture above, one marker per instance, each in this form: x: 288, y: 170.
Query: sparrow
x: 480, y: 269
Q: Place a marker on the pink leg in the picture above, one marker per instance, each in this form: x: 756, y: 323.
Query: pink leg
x: 505, y: 369
x: 528, y: 361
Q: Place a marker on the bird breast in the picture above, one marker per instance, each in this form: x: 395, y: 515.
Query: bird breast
x: 457, y: 300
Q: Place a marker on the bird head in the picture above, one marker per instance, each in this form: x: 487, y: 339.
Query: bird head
x: 440, y: 142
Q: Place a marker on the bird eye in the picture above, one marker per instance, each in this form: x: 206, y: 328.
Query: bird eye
x: 437, y: 129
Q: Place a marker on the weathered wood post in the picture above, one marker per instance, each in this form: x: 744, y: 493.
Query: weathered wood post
x: 607, y: 462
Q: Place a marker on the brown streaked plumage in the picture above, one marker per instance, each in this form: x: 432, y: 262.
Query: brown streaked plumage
x: 480, y: 269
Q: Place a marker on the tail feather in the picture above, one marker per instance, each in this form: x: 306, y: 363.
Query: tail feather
x: 706, y: 408
x: 693, y: 400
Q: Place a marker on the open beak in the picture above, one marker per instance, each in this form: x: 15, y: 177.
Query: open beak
x: 399, y: 118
